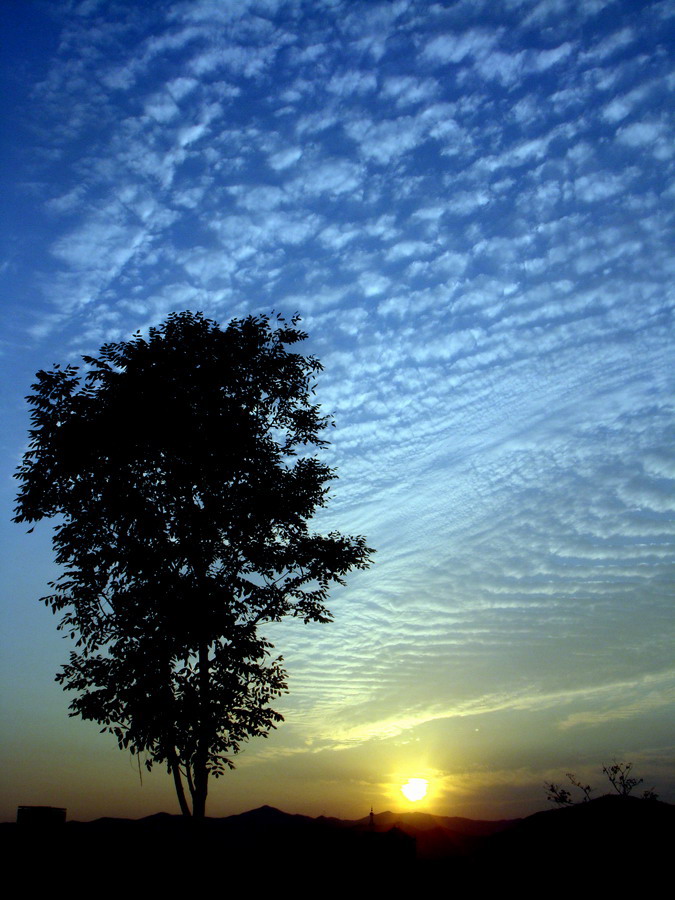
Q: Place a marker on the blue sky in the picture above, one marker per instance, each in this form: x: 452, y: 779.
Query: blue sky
x: 471, y: 206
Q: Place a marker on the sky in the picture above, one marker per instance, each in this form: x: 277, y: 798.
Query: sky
x: 470, y: 204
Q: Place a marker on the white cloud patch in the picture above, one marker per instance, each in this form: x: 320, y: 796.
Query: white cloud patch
x: 406, y: 249
x: 387, y: 140
x: 624, y: 104
x: 613, y: 42
x: 406, y: 90
x: 258, y: 198
x: 600, y: 186
x: 454, y: 48
x: 333, y: 177
x: 544, y: 59
x: 639, y: 134
x: 285, y: 158
x: 504, y: 68
x: 464, y: 203
x: 352, y: 82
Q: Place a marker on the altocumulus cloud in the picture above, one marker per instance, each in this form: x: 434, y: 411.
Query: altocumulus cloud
x: 467, y: 207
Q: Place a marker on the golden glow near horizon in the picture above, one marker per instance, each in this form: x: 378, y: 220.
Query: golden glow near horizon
x: 415, y: 789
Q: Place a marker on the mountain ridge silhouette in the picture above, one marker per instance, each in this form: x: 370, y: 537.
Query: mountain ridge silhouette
x: 606, y: 841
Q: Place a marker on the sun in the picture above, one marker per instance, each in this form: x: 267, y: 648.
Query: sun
x: 415, y: 789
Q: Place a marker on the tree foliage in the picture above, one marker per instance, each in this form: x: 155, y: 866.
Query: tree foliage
x: 585, y: 789
x: 618, y: 774
x: 183, y: 470
x: 620, y: 778
x: 558, y: 795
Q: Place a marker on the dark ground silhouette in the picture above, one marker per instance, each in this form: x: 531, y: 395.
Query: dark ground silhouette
x: 608, y: 843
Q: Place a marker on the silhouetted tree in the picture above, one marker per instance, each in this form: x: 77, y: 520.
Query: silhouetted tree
x: 182, y: 468
x: 558, y: 795
x: 585, y: 789
x: 620, y: 778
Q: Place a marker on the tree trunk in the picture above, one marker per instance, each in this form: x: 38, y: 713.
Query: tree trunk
x: 180, y: 791
x: 201, y: 775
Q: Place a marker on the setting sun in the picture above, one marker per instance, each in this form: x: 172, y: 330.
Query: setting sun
x: 415, y: 789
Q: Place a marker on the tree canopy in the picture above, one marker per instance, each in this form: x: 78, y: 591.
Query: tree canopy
x: 183, y: 470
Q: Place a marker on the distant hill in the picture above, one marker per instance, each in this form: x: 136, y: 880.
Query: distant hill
x: 624, y: 825
x: 436, y: 837
x: 604, y: 841
x: 612, y: 843
x: 425, y: 821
